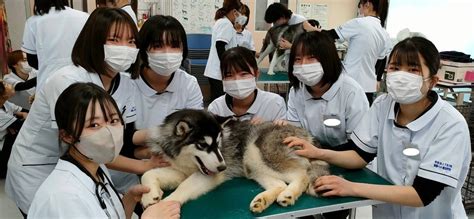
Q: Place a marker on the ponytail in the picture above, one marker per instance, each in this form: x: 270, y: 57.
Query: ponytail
x: 220, y: 13
x: 382, y: 11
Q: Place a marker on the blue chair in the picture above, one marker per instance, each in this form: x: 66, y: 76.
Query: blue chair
x: 199, y: 46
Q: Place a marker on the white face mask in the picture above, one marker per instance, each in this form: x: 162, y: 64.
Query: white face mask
x: 120, y: 58
x: 241, y: 19
x: 309, y: 74
x: 240, y: 89
x: 164, y: 63
x: 405, y: 87
x: 26, y: 68
x: 103, y: 146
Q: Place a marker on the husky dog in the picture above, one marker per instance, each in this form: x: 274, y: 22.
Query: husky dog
x: 271, y: 42
x: 204, y: 153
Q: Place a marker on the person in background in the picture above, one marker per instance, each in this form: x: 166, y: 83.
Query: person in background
x: 368, y: 42
x: 278, y: 14
x: 243, y: 100
x: 421, y: 142
x: 49, y: 36
x: 244, y: 37
x: 163, y: 88
x: 105, y: 49
x: 22, y: 77
x: 11, y: 120
x: 223, y: 38
x: 122, y: 4
x: 80, y: 186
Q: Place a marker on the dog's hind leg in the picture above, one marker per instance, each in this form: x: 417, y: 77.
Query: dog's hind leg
x: 298, y: 183
x: 158, y: 179
x: 272, y: 186
x: 194, y: 186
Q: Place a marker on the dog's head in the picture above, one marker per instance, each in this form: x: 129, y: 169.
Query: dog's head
x: 192, y: 135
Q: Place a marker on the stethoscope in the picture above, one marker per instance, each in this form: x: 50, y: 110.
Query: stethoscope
x: 98, y: 193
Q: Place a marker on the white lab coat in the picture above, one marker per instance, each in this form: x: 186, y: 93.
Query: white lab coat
x: 368, y: 41
x: 51, y: 37
x: 70, y: 193
x: 442, y: 137
x: 36, y: 150
x: 223, y: 30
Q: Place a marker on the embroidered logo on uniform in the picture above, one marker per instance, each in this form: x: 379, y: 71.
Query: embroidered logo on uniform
x: 442, y: 165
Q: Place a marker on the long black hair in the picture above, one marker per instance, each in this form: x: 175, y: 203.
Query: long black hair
x: 43, y: 6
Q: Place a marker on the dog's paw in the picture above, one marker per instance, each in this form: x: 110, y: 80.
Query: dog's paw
x: 259, y: 203
x: 286, y: 198
x: 151, y: 198
x: 270, y: 73
x: 310, y: 191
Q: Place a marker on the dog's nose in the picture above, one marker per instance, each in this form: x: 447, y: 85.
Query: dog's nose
x: 221, y: 168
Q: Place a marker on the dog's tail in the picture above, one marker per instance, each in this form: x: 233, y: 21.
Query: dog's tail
x: 317, y: 169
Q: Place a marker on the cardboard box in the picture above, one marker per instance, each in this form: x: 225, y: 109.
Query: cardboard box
x: 456, y: 72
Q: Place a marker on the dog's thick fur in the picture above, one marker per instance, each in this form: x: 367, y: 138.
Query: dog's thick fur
x: 204, y: 153
x: 271, y: 42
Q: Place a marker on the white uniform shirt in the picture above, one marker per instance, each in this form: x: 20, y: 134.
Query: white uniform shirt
x: 223, y: 30
x: 267, y: 106
x: 129, y: 10
x: 245, y: 39
x: 20, y: 98
x: 296, y: 19
x: 442, y: 137
x: 7, y: 118
x: 183, y: 92
x: 368, y: 41
x: 51, y: 37
x: 36, y: 150
x: 345, y: 100
x: 70, y: 193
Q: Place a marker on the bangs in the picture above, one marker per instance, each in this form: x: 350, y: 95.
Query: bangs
x: 405, y: 54
x: 169, y: 37
x: 106, y: 107
x: 122, y: 28
x: 303, y: 49
x: 238, y: 59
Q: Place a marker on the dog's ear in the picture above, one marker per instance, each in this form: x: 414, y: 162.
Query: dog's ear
x: 222, y: 120
x: 182, y: 128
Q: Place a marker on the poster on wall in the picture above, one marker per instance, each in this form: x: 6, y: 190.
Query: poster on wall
x: 197, y: 16
x: 315, y: 11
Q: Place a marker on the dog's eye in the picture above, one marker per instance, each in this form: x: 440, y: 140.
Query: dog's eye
x: 199, y: 146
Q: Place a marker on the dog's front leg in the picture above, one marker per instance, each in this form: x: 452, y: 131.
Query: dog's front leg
x: 194, y: 186
x: 166, y: 178
x: 270, y: 48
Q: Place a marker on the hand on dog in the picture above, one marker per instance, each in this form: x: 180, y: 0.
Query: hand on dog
x: 256, y: 121
x: 333, y: 186
x: 284, y: 44
x: 307, y: 149
x: 309, y: 28
x: 280, y: 122
x: 136, y: 192
x: 157, y: 160
x: 162, y: 210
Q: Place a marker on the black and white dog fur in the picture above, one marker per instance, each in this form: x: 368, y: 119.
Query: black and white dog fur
x: 204, y: 153
x: 271, y: 42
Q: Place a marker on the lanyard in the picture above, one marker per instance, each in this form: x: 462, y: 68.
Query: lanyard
x: 103, y: 191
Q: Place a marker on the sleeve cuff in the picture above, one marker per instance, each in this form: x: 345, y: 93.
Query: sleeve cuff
x: 438, y: 177
x: 362, y: 145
